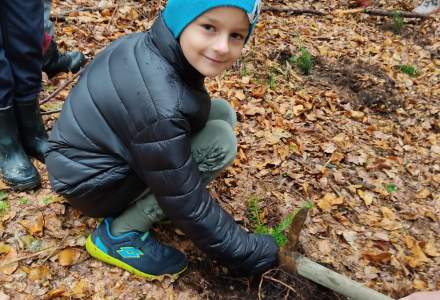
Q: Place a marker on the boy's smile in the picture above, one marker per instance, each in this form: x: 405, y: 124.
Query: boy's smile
x: 213, y: 42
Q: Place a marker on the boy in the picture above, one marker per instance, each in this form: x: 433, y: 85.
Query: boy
x: 139, y: 138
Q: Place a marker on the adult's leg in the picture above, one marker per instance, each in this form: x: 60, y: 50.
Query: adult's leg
x: 15, y: 168
x: 6, y: 78
x: 24, y: 37
x: 24, y: 34
x: 55, y: 62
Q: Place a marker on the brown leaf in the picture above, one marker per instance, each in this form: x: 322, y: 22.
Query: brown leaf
x: 259, y: 91
x: 423, y: 194
x: 3, y: 186
x: 33, y: 224
x: 7, y: 255
x: 430, y: 249
x: 367, y: 196
x: 39, y: 273
x: 55, y: 293
x: 382, y: 258
x: 69, y: 256
x: 329, y: 200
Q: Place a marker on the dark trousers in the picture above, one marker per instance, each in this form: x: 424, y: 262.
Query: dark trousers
x: 21, y: 39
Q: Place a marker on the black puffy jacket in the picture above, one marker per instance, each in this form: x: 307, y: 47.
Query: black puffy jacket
x: 134, y: 109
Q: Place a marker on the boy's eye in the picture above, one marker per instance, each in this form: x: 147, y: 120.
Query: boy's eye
x: 208, y: 27
x: 237, y: 36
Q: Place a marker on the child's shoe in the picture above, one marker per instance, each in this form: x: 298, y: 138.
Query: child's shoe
x: 428, y: 7
x: 136, y: 252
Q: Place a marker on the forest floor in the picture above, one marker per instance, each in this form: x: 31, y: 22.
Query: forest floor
x: 358, y: 137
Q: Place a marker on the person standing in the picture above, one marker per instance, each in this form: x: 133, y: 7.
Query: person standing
x: 22, y: 132
x: 55, y: 62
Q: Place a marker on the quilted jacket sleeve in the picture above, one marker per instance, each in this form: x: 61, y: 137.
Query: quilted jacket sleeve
x: 162, y: 158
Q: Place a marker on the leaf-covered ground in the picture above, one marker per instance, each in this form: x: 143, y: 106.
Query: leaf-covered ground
x: 357, y: 136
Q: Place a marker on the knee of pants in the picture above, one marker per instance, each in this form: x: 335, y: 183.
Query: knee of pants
x: 215, y: 147
x: 222, y: 110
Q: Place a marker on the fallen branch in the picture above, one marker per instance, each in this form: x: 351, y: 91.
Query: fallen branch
x: 7, y: 264
x: 335, y: 281
x: 56, y: 92
x: 295, y: 11
x: 368, y: 11
x: 384, y: 13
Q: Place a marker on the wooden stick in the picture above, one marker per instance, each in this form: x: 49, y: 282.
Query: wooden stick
x: 368, y: 11
x: 61, y: 87
x: 334, y: 281
x: 294, y: 11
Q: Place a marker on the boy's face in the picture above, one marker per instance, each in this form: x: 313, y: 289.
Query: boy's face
x: 214, y: 41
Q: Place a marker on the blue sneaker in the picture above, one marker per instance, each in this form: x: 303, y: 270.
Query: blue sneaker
x: 138, y: 253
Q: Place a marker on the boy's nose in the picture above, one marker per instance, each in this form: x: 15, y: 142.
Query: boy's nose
x: 221, y: 44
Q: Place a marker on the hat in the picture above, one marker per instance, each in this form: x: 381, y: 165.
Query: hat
x: 178, y: 14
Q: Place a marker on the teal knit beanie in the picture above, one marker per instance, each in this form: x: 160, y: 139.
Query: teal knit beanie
x: 180, y: 13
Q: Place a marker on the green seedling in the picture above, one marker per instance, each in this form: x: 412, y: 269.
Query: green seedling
x: 391, y: 188
x: 304, y: 61
x: 243, y: 70
x: 278, y: 232
x: 408, y: 69
x: 3, y: 206
x: 272, y: 80
x: 47, y: 200
x: 24, y: 200
x: 398, y: 22
x: 3, y: 195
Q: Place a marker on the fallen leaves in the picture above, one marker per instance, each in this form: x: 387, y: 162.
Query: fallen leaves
x: 69, y: 256
x: 329, y: 201
x: 367, y: 196
x: 8, y: 257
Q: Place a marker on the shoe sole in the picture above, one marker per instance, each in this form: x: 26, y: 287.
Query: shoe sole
x: 97, y: 253
x: 21, y: 187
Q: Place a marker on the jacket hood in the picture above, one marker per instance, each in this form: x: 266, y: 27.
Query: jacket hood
x: 170, y: 49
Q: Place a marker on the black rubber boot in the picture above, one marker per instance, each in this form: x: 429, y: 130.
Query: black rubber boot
x: 55, y: 62
x: 32, y: 132
x: 16, y: 169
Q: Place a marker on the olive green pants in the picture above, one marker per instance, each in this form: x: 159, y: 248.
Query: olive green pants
x: 213, y: 148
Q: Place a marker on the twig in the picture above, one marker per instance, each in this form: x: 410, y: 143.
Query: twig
x: 27, y: 256
x: 112, y: 17
x: 392, y: 13
x: 280, y: 282
x: 79, y: 9
x: 56, y: 248
x: 368, y: 11
x: 48, y: 98
x: 51, y: 112
x: 295, y: 11
x: 261, y: 283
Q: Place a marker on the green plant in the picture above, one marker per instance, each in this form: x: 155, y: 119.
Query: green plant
x: 272, y: 80
x: 23, y: 200
x: 408, y: 69
x: 243, y: 70
x: 278, y: 232
x: 3, y: 195
x: 47, y: 200
x: 398, y: 22
x: 304, y: 61
x: 391, y: 188
x: 3, y: 206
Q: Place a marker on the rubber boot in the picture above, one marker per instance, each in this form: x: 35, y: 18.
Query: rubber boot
x: 32, y: 132
x: 55, y: 62
x: 16, y: 169
x: 428, y: 7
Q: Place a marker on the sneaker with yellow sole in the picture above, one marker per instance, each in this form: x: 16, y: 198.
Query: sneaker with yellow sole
x: 137, y: 252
